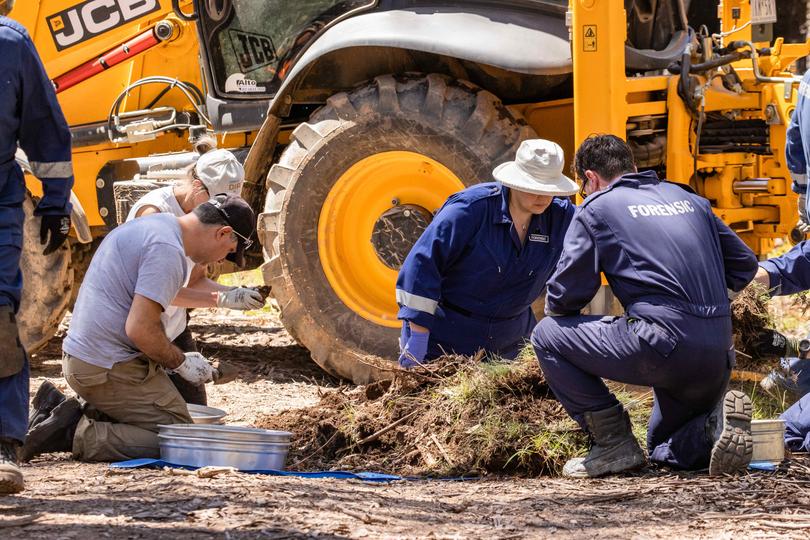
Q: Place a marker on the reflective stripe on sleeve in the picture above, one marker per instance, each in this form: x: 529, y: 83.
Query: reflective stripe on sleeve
x: 414, y: 301
x: 800, y: 179
x: 52, y: 169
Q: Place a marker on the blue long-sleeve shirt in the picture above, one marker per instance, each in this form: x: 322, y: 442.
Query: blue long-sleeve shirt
x: 797, y: 148
x: 789, y: 273
x: 469, y: 260
x: 30, y: 115
x: 657, y: 244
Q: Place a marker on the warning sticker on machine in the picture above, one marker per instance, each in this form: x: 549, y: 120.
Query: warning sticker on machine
x: 589, y: 38
x: 763, y: 11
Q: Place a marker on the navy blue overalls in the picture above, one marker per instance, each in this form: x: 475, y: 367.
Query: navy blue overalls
x: 797, y: 425
x: 668, y: 260
x: 790, y: 274
x: 30, y: 114
x: 469, y: 280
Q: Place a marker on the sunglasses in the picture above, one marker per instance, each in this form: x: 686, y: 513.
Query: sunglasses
x: 247, y: 241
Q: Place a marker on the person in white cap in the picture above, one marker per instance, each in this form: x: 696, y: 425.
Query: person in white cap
x: 469, y: 281
x: 216, y: 171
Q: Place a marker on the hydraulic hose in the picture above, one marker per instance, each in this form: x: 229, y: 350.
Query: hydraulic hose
x: 711, y: 64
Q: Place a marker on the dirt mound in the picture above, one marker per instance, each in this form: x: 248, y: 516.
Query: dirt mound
x: 457, y: 416
x: 749, y: 316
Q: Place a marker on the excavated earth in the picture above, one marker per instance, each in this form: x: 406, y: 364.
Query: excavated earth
x: 67, y: 499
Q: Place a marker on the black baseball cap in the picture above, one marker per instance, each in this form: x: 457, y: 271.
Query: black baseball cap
x: 237, y: 213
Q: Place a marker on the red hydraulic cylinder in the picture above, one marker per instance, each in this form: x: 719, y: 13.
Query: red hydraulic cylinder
x: 128, y: 49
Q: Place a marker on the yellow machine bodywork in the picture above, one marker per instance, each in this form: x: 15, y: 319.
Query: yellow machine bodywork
x: 607, y: 101
x: 90, y: 101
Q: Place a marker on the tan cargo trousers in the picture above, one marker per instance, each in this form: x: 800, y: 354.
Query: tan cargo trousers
x: 125, y: 406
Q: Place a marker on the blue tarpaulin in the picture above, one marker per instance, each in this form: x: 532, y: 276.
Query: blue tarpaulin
x: 341, y: 475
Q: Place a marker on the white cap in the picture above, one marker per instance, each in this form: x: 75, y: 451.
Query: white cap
x: 220, y: 172
x: 537, y: 169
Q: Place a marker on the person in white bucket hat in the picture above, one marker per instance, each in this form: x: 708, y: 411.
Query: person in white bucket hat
x: 469, y: 281
x: 215, y: 172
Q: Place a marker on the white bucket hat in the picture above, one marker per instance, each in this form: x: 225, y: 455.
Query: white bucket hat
x: 537, y: 169
x: 220, y: 172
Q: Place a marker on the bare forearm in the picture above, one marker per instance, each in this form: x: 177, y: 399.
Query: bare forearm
x: 209, y: 285
x: 150, y: 338
x: 192, y: 297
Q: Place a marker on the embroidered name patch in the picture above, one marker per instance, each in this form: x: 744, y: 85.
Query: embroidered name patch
x: 538, y: 238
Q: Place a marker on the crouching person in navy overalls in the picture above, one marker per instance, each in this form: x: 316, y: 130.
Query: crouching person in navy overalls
x: 669, y: 261
x: 469, y: 281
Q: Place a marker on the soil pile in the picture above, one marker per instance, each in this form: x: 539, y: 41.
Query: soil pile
x: 456, y: 416
x: 749, y: 317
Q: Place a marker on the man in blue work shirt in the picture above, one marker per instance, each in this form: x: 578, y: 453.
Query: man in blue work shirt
x: 669, y: 261
x: 469, y: 281
x: 30, y: 115
x: 797, y: 149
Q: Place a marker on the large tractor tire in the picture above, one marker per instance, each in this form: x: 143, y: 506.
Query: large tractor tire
x: 353, y: 191
x: 47, y: 284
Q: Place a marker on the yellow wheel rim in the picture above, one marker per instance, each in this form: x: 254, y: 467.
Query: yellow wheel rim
x: 366, y: 191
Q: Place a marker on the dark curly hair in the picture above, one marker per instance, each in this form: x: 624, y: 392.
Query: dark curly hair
x: 607, y: 155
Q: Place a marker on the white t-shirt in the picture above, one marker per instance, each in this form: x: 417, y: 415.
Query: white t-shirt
x: 173, y: 317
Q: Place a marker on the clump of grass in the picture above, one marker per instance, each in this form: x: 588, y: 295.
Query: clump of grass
x: 459, y: 416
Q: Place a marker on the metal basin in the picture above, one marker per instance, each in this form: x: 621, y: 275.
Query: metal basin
x: 227, y: 433
x: 247, y: 449
x: 769, y: 440
x: 215, y: 453
x: 206, y: 415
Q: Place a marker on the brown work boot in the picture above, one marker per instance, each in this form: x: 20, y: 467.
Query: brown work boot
x: 614, y: 447
x: 729, y: 427
x: 45, y: 400
x: 55, y: 433
x: 11, y: 478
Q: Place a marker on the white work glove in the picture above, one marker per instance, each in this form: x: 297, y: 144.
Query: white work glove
x: 240, y: 298
x: 195, y: 368
x: 804, y: 222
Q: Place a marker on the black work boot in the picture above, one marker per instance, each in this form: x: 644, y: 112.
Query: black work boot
x: 55, y: 433
x: 729, y: 427
x: 45, y: 400
x: 614, y: 448
x: 11, y: 478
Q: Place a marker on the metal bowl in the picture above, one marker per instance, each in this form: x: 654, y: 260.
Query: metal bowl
x: 226, y: 433
x: 201, y: 445
x: 205, y: 452
x: 206, y: 415
x: 769, y: 440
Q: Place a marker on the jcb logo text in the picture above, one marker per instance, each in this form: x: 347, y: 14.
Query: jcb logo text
x: 93, y: 17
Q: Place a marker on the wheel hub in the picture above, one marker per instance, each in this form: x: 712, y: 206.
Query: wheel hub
x: 370, y: 220
x: 396, y: 231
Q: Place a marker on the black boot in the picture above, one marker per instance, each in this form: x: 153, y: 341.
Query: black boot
x: 45, y: 400
x: 55, y: 433
x: 614, y: 447
x: 729, y: 427
x: 11, y: 478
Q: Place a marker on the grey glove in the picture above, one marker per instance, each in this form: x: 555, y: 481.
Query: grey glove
x: 243, y: 298
x: 804, y: 222
x: 195, y: 368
